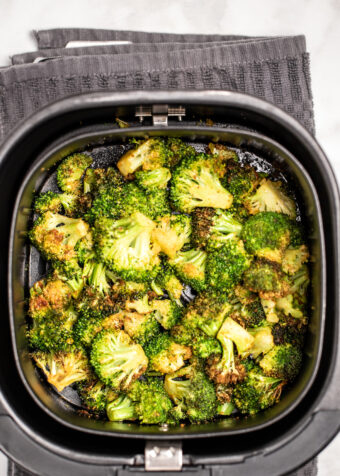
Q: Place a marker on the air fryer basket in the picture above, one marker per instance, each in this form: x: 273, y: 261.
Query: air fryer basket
x: 85, y: 122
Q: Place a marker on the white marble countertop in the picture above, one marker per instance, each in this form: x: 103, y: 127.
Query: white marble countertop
x: 319, y: 21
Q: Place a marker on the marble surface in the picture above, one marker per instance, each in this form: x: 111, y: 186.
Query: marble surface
x: 319, y: 21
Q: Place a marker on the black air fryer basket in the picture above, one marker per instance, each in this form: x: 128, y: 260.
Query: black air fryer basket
x: 47, y: 433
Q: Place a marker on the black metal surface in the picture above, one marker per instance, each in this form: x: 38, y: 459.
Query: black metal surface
x: 234, y: 450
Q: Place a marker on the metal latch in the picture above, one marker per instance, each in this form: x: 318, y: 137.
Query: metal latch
x: 163, y: 456
x: 160, y: 113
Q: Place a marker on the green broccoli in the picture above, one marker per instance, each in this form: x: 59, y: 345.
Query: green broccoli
x: 195, y: 183
x: 94, y: 394
x: 294, y: 258
x: 248, y: 312
x: 270, y: 197
x: 282, y: 361
x: 56, y: 236
x: 201, y: 344
x: 166, y: 312
x: 257, y: 392
x: 241, y: 181
x: 263, y: 341
x: 151, y: 402
x: 91, y: 322
x: 57, y: 202
x: 190, y: 267
x: 121, y: 408
x: 70, y: 172
x: 116, y: 359
x: 141, y: 327
x: 226, y: 265
x: 96, y: 275
x: 49, y: 296
x: 153, y: 179
x: 209, y: 223
x: 267, y: 235
x: 225, y: 409
x: 266, y: 279
x: 149, y: 155
x: 63, y: 368
x: 223, y: 152
x: 171, y: 233
x: 157, y: 203
x: 178, y: 150
x: 192, y: 393
x: 125, y: 247
x: 166, y: 279
x: 96, y: 180
x: 165, y: 355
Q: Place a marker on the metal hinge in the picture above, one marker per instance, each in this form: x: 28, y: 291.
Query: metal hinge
x: 163, y: 456
x: 160, y: 113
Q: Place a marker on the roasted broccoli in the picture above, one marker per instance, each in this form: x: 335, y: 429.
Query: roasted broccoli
x: 141, y: 327
x: 263, y: 341
x: 57, y: 203
x: 226, y: 265
x: 125, y: 246
x: 282, y: 362
x: 165, y: 355
x: 149, y: 155
x: 70, y: 172
x: 270, y: 197
x: 210, y: 223
x: 49, y: 296
x: 195, y: 183
x: 190, y: 267
x: 166, y: 279
x: 266, y: 279
x: 223, y: 152
x: 121, y: 408
x: 166, y: 312
x: 151, y: 402
x: 153, y: 179
x: 91, y: 322
x: 63, y: 368
x: 94, y: 394
x: 171, y: 233
x: 257, y: 392
x: 294, y: 258
x: 241, y: 181
x: 56, y: 235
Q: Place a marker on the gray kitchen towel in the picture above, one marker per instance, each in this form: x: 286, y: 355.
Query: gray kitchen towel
x: 274, y: 68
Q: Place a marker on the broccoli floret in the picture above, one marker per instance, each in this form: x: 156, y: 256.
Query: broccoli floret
x: 178, y: 150
x: 289, y: 307
x: 223, y: 152
x: 240, y: 336
x: 207, y: 312
x: 141, y: 327
x: 248, y: 313
x: 208, y: 223
x: 263, y: 341
x: 192, y: 393
x: 125, y: 247
x: 166, y: 312
x: 294, y: 258
x: 201, y: 344
x: 166, y: 279
x: 171, y: 233
x: 153, y: 179
x: 289, y: 333
x: 121, y: 408
x: 151, y: 402
x: 282, y: 362
x: 56, y: 235
x: 91, y: 301
x: 117, y: 360
x: 63, y: 368
x: 70, y: 172
x: 165, y: 355
x: 257, y: 392
x: 118, y: 202
x: 91, y: 322
x: 158, y: 203
x: 96, y: 180
x: 300, y: 282
x: 141, y: 304
x: 267, y: 235
x: 195, y: 183
x: 266, y: 279
x: 85, y: 248
x: 241, y: 181
x: 226, y: 264
x: 269, y: 197
x: 57, y: 202
x: 96, y: 275
x: 225, y: 409
x: 123, y: 290
x: 94, y: 394
x: 190, y: 267
x: 49, y: 296
x: 149, y: 155
x: 54, y: 332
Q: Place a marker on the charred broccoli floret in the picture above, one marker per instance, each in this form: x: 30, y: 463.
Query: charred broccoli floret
x: 222, y: 152
x: 226, y: 265
x: 49, y: 296
x: 247, y: 312
x: 91, y: 322
x: 201, y: 344
x: 57, y: 202
x: 270, y: 197
x: 195, y: 183
x: 171, y: 233
x: 190, y: 267
x: 289, y: 333
x: 121, y: 408
x: 153, y: 179
x: 241, y: 181
x: 166, y: 279
x: 117, y: 360
x: 96, y: 275
x: 209, y: 223
x: 149, y: 155
x: 141, y: 327
x: 266, y: 279
x: 94, y: 394
x: 56, y: 235
x: 282, y: 362
x: 267, y: 235
x: 125, y: 246
x: 257, y: 392
x: 178, y: 150
x: 70, y: 172
x: 294, y: 258
x: 192, y: 393
x: 151, y: 402
x: 263, y: 341
x: 96, y: 180
x: 63, y: 368
x: 166, y: 312
x: 165, y: 355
